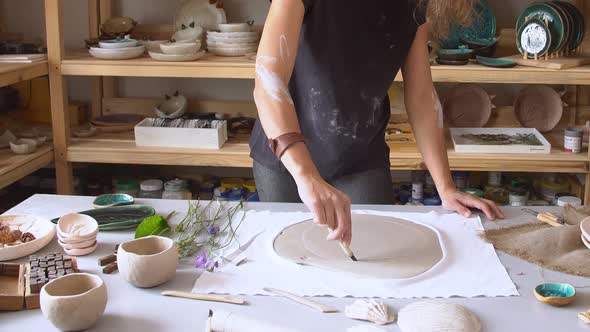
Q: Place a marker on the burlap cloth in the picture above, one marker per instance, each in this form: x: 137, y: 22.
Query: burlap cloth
x: 555, y: 248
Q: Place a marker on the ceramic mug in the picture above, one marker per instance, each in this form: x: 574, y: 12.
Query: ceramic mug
x: 147, y: 262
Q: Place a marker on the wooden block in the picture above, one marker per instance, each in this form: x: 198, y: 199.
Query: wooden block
x: 112, y: 267
x: 107, y: 260
x: 12, y: 287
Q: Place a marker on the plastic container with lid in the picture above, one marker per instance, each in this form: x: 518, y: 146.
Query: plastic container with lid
x: 126, y: 186
x: 573, y: 140
x: 518, y: 196
x: 460, y: 178
x: 176, y: 189
x: 569, y: 200
x: 151, y: 189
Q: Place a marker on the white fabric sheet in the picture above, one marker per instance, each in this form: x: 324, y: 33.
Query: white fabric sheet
x: 470, y: 268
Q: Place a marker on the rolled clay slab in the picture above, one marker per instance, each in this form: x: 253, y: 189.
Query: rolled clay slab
x: 386, y: 247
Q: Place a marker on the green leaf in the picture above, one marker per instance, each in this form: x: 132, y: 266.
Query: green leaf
x: 155, y: 225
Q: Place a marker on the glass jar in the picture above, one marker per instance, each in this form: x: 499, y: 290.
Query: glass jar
x: 495, y: 179
x: 127, y: 186
x: 151, y: 189
x: 518, y: 196
x: 176, y: 189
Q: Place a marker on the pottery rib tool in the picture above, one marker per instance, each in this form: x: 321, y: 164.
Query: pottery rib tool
x: 205, y: 297
x: 301, y: 300
x: 546, y: 217
x: 346, y: 249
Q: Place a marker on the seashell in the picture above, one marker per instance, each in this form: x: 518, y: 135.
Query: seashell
x: 433, y: 316
x: 584, y: 317
x: 370, y: 310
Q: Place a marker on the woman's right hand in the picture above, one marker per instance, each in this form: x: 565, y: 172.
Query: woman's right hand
x: 330, y: 207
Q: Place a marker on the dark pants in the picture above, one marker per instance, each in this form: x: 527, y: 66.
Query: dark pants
x: 370, y: 187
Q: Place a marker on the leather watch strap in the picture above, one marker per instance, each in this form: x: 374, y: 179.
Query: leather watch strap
x: 280, y: 144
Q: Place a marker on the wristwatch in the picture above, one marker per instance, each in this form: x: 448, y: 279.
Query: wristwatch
x: 280, y: 144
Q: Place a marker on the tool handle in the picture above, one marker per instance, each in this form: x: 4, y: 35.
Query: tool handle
x: 346, y: 249
x: 205, y: 297
x: 549, y: 218
x: 301, y: 300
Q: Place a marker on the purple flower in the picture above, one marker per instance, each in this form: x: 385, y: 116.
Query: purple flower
x: 203, y: 261
x: 213, y: 230
x: 213, y: 267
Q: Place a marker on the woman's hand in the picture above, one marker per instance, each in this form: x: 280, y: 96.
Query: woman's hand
x: 330, y: 207
x: 461, y: 202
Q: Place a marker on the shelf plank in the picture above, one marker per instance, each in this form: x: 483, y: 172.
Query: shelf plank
x: 14, y: 167
x: 11, y: 73
x: 120, y: 148
x: 82, y: 64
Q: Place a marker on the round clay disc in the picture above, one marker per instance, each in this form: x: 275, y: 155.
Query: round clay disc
x: 386, y: 247
x: 539, y: 106
x: 467, y: 106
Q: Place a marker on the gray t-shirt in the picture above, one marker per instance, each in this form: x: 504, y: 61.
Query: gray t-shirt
x: 349, y: 54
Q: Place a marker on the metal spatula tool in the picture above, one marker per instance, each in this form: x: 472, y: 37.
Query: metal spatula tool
x: 241, y: 249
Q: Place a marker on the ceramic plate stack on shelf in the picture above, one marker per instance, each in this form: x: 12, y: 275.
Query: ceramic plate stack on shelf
x: 179, y: 51
x: 233, y: 40
x: 117, y: 49
x: 585, y: 227
x: 550, y: 28
x: 76, y: 234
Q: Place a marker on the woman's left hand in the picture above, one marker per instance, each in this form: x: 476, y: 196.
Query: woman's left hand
x: 461, y: 202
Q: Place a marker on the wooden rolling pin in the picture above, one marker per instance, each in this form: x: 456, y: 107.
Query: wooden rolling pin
x: 546, y: 217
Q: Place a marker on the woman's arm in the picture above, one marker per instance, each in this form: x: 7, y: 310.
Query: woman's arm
x: 274, y: 66
x: 423, y: 110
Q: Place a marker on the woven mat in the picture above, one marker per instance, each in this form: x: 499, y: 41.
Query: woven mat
x: 555, y: 248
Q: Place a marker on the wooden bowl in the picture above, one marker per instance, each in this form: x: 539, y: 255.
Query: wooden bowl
x: 555, y: 294
x: 539, y: 106
x: 467, y: 106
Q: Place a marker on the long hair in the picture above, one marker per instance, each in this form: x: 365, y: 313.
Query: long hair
x: 442, y: 13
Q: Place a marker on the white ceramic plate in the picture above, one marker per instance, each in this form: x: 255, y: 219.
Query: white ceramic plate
x: 176, y: 57
x: 42, y: 229
x: 216, y: 44
x: 118, y: 43
x: 233, y: 40
x: 118, y: 53
x: 234, y: 27
x: 585, y: 227
x: 81, y: 252
x: 216, y: 34
x: 232, y: 51
x: 202, y: 13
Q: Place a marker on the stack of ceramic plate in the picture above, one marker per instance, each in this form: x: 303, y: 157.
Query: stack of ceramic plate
x: 76, y: 234
x: 585, y: 227
x: 117, y: 49
x: 233, y: 40
x: 178, y: 51
x: 552, y: 27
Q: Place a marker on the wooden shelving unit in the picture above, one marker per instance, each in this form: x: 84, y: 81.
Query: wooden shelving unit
x: 14, y: 167
x: 122, y: 149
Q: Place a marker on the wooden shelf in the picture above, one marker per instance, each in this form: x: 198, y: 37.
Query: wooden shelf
x: 121, y: 149
x: 11, y: 73
x: 82, y: 64
x: 14, y: 167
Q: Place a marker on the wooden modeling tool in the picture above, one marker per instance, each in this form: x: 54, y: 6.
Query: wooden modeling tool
x: 205, y: 297
x: 301, y: 300
x: 346, y: 249
x: 109, y: 262
x: 546, y: 217
x: 209, y: 329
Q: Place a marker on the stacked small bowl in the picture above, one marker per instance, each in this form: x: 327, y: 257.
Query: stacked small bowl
x: 76, y: 234
x: 585, y: 227
x: 117, y: 49
x: 236, y: 39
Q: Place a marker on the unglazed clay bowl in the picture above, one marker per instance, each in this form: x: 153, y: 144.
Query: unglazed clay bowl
x: 81, y: 251
x: 74, y: 302
x: 147, y: 262
x: 79, y: 245
x: 153, y: 45
x: 74, y: 227
x: 23, y: 146
x: 555, y: 294
x: 180, y: 48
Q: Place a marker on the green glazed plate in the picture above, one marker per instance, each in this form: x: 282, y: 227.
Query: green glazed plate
x: 119, y: 217
x: 496, y: 63
x: 457, y: 54
x: 482, y: 27
x: 451, y: 62
x: 533, y: 38
x: 542, y: 11
x: 579, y: 26
x: 568, y: 23
x: 111, y: 200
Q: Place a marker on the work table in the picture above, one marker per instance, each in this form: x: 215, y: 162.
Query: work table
x: 145, y: 310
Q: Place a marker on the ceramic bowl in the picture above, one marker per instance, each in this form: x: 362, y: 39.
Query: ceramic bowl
x: 174, y: 107
x: 153, y: 45
x: 147, y: 262
x: 585, y: 227
x: 85, y: 132
x: 74, y: 302
x: 75, y: 227
x: 455, y: 54
x: 237, y: 51
x: 495, y: 63
x: 81, y: 251
x: 110, y: 200
x: 176, y: 57
x: 118, y: 53
x: 234, y: 27
x: 555, y: 294
x: 539, y: 106
x: 6, y: 138
x: 118, y: 43
x: 23, y: 146
x: 118, y: 25
x: 78, y: 245
x: 180, y: 48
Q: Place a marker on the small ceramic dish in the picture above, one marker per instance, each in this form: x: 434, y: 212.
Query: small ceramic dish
x: 117, y: 43
x: 233, y: 40
x: 23, y: 146
x: 176, y: 57
x: 74, y: 302
x: 76, y: 226
x: 75, y: 241
x: 173, y: 107
x: 555, y: 294
x: 216, y: 44
x: 495, y: 63
x: 153, y: 45
x: 117, y: 53
x: 115, y: 120
x: 118, y: 25
x: 232, y: 52
x: 110, y: 200
x: 181, y: 48
x: 79, y: 245
x: 451, y: 62
x: 454, y: 54
x: 147, y: 262
x: 539, y: 106
x: 534, y: 38
x: 234, y: 27
x: 42, y: 229
x: 475, y: 43
x: 188, y: 35
x: 251, y: 34
x: 585, y: 228
x: 82, y: 251
x: 6, y: 138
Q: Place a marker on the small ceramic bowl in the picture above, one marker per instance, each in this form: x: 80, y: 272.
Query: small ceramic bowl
x: 74, y: 302
x: 81, y: 251
x: 110, y: 200
x: 234, y: 27
x: 23, y: 146
x: 555, y: 294
x: 174, y: 107
x: 585, y: 227
x: 76, y: 227
x: 459, y: 54
x: 147, y: 262
x: 79, y: 245
x: 180, y: 48
x: 188, y: 35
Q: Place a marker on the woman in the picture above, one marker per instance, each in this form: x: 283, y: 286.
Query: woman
x: 322, y: 75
